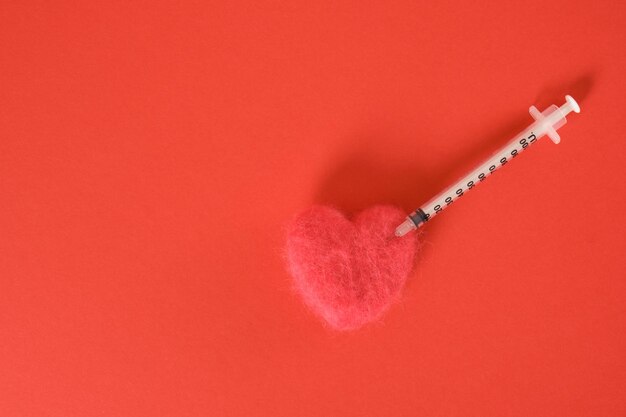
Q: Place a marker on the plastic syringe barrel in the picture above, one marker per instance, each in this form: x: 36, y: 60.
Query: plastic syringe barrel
x: 546, y: 123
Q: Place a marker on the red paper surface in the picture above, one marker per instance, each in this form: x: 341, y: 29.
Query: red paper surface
x: 151, y: 152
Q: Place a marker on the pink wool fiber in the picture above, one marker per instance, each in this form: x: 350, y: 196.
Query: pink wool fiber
x: 349, y: 272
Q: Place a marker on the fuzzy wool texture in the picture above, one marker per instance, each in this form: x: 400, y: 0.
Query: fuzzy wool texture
x: 349, y: 272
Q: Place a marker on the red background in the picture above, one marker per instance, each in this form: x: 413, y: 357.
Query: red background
x: 151, y: 153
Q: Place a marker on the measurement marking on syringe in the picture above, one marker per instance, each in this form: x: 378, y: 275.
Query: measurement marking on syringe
x: 524, y: 142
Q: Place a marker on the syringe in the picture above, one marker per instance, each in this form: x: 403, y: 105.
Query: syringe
x: 546, y: 123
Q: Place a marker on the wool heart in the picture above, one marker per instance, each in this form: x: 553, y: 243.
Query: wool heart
x: 349, y: 272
